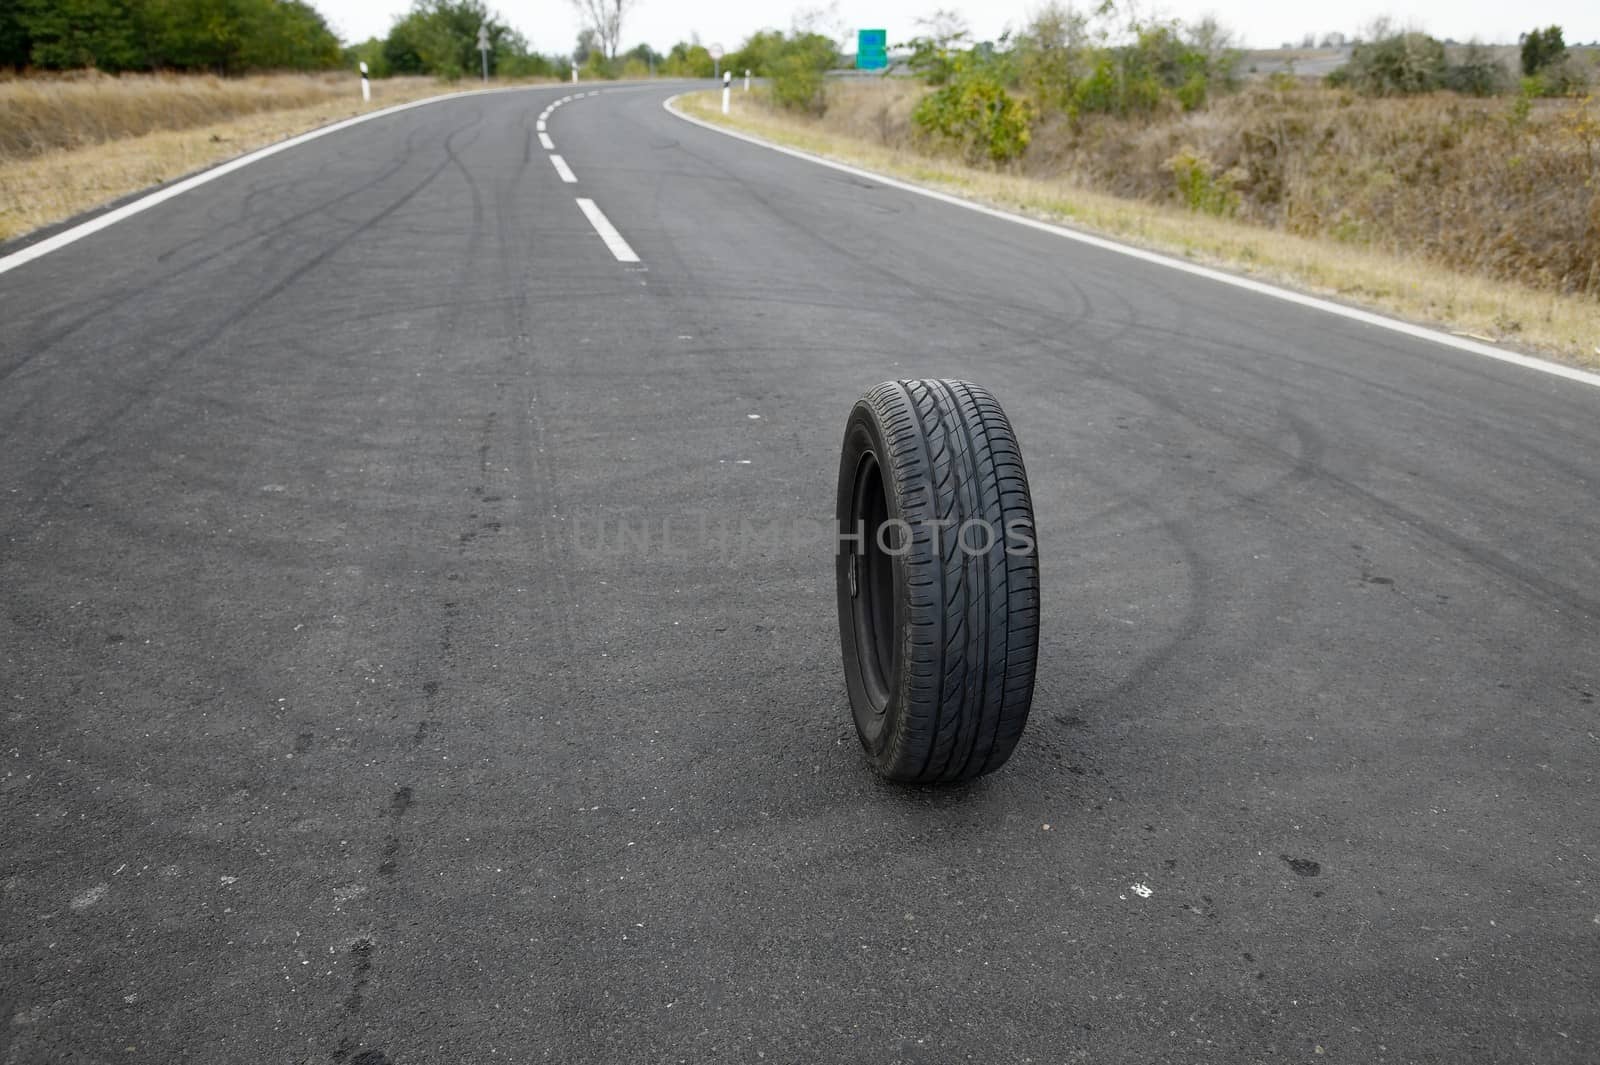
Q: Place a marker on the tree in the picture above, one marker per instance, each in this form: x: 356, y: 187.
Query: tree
x: 441, y: 37
x: 933, y: 51
x: 605, y: 17
x: 1394, y: 64
x: 15, y: 43
x: 688, y: 59
x: 1542, y: 48
x: 588, y: 42
x: 64, y: 34
x: 1478, y: 73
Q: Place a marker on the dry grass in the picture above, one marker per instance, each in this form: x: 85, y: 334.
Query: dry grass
x: 41, y: 114
x: 866, y: 126
x: 1505, y: 188
x: 126, y: 134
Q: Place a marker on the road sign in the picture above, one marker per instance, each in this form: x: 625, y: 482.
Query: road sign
x: 872, y: 49
x: 716, y: 53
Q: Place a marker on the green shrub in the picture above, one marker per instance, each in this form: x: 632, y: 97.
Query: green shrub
x: 797, y: 85
x: 688, y: 61
x: 974, y: 112
x: 1064, y: 63
x: 1561, y: 78
x: 936, y: 52
x: 1400, y: 64
x: 1478, y: 74
x: 1199, y: 189
x: 796, y: 66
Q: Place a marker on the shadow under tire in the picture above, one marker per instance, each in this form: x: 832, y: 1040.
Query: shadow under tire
x: 938, y: 580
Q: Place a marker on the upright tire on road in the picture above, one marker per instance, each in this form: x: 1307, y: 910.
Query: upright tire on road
x: 938, y: 580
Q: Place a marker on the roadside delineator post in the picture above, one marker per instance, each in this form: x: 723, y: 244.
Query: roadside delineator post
x: 747, y: 79
x: 574, y: 73
x: 727, y: 89
x: 366, y: 86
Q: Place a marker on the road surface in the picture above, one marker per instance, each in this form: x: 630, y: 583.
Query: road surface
x: 418, y: 645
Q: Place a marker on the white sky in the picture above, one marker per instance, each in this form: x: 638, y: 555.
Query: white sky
x: 552, y: 25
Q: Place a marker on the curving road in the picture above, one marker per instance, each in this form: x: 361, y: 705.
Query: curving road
x: 417, y: 645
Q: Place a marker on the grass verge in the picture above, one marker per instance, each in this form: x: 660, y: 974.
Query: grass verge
x: 1566, y: 328
x: 39, y: 186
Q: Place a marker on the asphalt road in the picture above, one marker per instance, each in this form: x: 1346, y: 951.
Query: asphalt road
x: 417, y: 645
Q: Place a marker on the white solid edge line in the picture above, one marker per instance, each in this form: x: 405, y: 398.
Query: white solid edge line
x: 144, y: 203
x: 564, y: 170
x: 539, y: 125
x: 1394, y: 325
x: 608, y: 232
x: 545, y: 142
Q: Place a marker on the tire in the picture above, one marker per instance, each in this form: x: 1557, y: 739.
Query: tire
x: 939, y: 624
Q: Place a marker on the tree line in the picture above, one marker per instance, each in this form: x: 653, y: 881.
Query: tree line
x: 434, y: 38
x: 219, y: 36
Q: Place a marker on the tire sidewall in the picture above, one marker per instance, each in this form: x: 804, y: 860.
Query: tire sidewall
x: 877, y: 731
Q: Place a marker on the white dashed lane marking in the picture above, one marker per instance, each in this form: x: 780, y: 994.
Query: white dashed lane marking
x: 608, y: 232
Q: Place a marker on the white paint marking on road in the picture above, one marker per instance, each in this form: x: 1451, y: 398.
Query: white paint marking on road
x: 539, y: 125
x: 564, y: 170
x: 545, y: 142
x: 88, y: 898
x: 1262, y: 288
x: 565, y: 99
x: 608, y: 232
x: 144, y: 203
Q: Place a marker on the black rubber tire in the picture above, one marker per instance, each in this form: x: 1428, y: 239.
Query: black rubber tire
x: 940, y: 629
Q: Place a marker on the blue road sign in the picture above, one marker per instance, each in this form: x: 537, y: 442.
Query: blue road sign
x: 872, y: 49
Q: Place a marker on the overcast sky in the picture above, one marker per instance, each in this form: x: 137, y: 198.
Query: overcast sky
x: 552, y: 25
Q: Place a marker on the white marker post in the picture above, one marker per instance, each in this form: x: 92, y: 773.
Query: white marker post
x: 483, y: 49
x: 727, y: 89
x: 366, y: 86
x: 574, y: 73
x: 747, y: 79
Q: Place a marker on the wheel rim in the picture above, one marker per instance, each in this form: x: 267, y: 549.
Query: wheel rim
x: 872, y: 585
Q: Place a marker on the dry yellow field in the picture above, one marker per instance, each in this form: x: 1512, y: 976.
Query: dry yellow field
x: 1520, y: 317
x: 71, y: 144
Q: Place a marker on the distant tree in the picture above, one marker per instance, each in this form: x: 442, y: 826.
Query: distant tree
x: 1542, y: 48
x: 15, y: 43
x: 943, y: 35
x: 643, y: 53
x: 440, y: 37
x: 588, y: 43
x: 370, y: 52
x: 1051, y: 54
x: 688, y: 59
x: 285, y: 35
x: 606, y: 18
x: 1478, y: 73
x: 1398, y: 64
x: 67, y: 34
